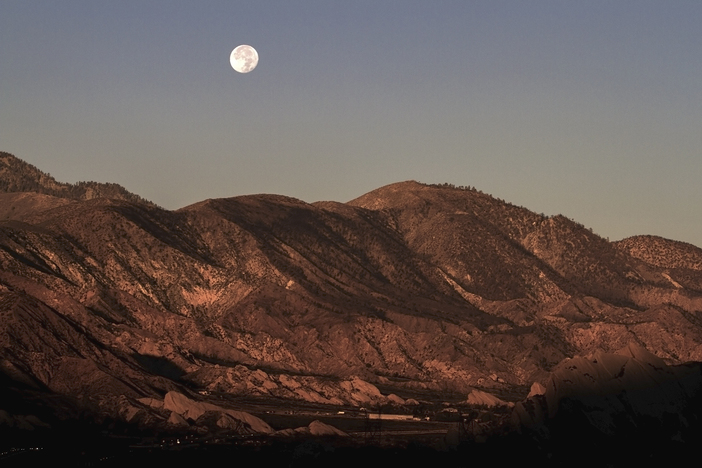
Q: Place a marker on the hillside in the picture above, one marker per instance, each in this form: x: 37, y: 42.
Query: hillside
x: 19, y: 176
x: 421, y: 291
x: 662, y: 252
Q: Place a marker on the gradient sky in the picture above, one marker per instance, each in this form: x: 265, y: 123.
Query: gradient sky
x: 592, y: 109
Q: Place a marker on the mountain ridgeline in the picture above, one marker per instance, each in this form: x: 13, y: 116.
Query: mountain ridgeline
x: 411, y: 290
x: 19, y: 176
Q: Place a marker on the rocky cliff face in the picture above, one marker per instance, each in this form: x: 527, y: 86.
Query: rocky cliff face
x: 410, y: 288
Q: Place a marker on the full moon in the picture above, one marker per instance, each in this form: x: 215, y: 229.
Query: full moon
x: 244, y: 58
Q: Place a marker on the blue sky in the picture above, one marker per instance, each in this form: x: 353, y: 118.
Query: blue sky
x: 592, y: 109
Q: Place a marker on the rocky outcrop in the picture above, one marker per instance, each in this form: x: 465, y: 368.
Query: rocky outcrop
x: 315, y: 428
x: 186, y: 409
x: 313, y: 389
x: 477, y: 397
x: 536, y: 389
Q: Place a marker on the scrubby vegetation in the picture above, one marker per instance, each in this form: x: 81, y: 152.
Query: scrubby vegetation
x: 19, y: 176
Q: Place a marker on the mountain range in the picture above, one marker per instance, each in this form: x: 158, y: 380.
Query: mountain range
x: 408, y: 292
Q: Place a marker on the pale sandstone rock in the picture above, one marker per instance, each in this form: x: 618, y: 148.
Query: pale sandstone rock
x: 190, y: 409
x: 177, y: 420
x: 319, y: 428
x: 536, y: 389
x: 477, y: 397
x: 394, y: 399
x: 151, y: 402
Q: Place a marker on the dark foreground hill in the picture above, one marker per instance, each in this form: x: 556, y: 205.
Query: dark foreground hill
x: 410, y: 292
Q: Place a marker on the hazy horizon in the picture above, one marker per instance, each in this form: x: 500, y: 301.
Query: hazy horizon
x: 587, y: 109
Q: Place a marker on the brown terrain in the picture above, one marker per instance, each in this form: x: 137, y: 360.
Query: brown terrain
x: 409, y: 292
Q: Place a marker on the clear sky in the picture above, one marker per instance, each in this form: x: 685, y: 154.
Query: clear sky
x: 591, y: 109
